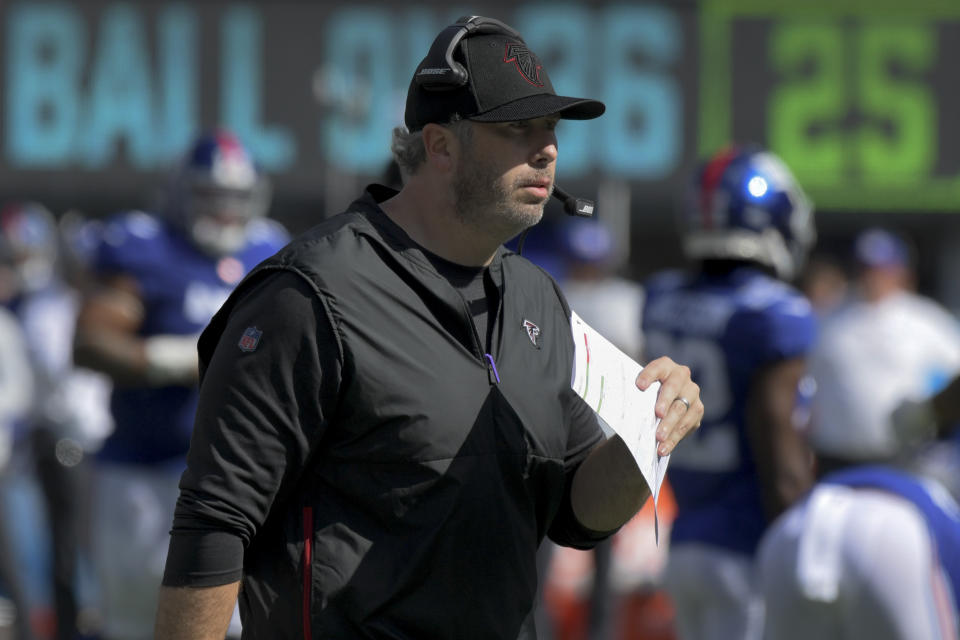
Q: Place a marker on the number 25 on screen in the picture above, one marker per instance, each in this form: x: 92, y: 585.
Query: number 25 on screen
x: 852, y: 99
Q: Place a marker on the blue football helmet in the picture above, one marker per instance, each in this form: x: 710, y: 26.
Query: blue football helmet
x: 216, y: 191
x: 29, y: 244
x: 745, y: 204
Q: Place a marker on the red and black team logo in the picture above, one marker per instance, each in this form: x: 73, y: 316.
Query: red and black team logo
x: 527, y: 63
x: 533, y: 332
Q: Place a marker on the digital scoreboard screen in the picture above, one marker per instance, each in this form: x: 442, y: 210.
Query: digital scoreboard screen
x: 861, y: 99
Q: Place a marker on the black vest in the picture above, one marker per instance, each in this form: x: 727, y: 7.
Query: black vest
x: 443, y: 466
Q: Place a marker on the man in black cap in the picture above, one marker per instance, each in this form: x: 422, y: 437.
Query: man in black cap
x: 387, y: 429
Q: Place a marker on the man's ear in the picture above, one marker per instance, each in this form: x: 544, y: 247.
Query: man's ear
x: 441, y: 145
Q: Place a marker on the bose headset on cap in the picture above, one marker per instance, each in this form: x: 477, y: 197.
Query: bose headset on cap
x: 440, y: 72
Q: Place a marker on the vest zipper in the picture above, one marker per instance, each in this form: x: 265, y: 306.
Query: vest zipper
x: 492, y: 369
x: 493, y: 376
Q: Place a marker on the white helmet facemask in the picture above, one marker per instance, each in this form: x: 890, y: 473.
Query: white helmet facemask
x: 216, y: 237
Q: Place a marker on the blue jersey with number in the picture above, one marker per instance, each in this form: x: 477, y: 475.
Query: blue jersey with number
x: 725, y: 328
x: 939, y: 509
x: 181, y: 288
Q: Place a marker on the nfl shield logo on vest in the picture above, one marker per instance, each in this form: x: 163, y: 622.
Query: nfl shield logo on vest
x: 250, y: 339
x: 533, y: 332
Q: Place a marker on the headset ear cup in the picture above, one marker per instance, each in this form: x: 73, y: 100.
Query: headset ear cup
x: 452, y: 77
x: 439, y: 71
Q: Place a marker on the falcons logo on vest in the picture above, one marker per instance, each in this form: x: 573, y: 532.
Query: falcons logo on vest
x: 527, y: 63
x: 533, y: 332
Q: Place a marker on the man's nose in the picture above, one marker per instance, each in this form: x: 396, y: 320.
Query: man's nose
x: 546, y: 152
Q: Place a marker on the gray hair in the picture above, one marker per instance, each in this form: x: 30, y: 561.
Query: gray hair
x: 409, y: 152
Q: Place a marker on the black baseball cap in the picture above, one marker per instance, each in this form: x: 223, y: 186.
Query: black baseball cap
x: 505, y: 81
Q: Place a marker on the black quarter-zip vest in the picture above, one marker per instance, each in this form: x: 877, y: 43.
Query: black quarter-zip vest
x: 444, y: 463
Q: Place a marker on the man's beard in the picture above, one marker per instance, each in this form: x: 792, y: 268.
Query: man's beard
x: 485, y: 203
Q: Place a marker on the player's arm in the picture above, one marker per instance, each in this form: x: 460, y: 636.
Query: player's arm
x: 946, y: 407
x: 918, y: 421
x: 106, y: 339
x: 784, y: 461
x: 608, y: 488
x: 195, y: 613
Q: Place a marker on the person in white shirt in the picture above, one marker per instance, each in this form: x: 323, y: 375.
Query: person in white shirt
x: 886, y: 345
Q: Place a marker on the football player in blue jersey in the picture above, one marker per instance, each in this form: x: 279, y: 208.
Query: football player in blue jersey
x: 745, y: 332
x: 162, y: 278
x: 872, y: 553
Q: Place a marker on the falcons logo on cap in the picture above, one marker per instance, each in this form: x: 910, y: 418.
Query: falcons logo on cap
x: 527, y: 63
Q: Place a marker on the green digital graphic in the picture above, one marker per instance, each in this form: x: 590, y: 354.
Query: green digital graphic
x: 852, y: 95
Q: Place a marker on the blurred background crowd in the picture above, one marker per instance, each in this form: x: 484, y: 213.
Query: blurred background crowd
x: 152, y: 152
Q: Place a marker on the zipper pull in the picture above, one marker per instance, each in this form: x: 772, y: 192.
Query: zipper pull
x: 492, y: 369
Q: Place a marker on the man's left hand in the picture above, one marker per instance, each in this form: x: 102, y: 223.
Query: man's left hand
x: 678, y: 403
